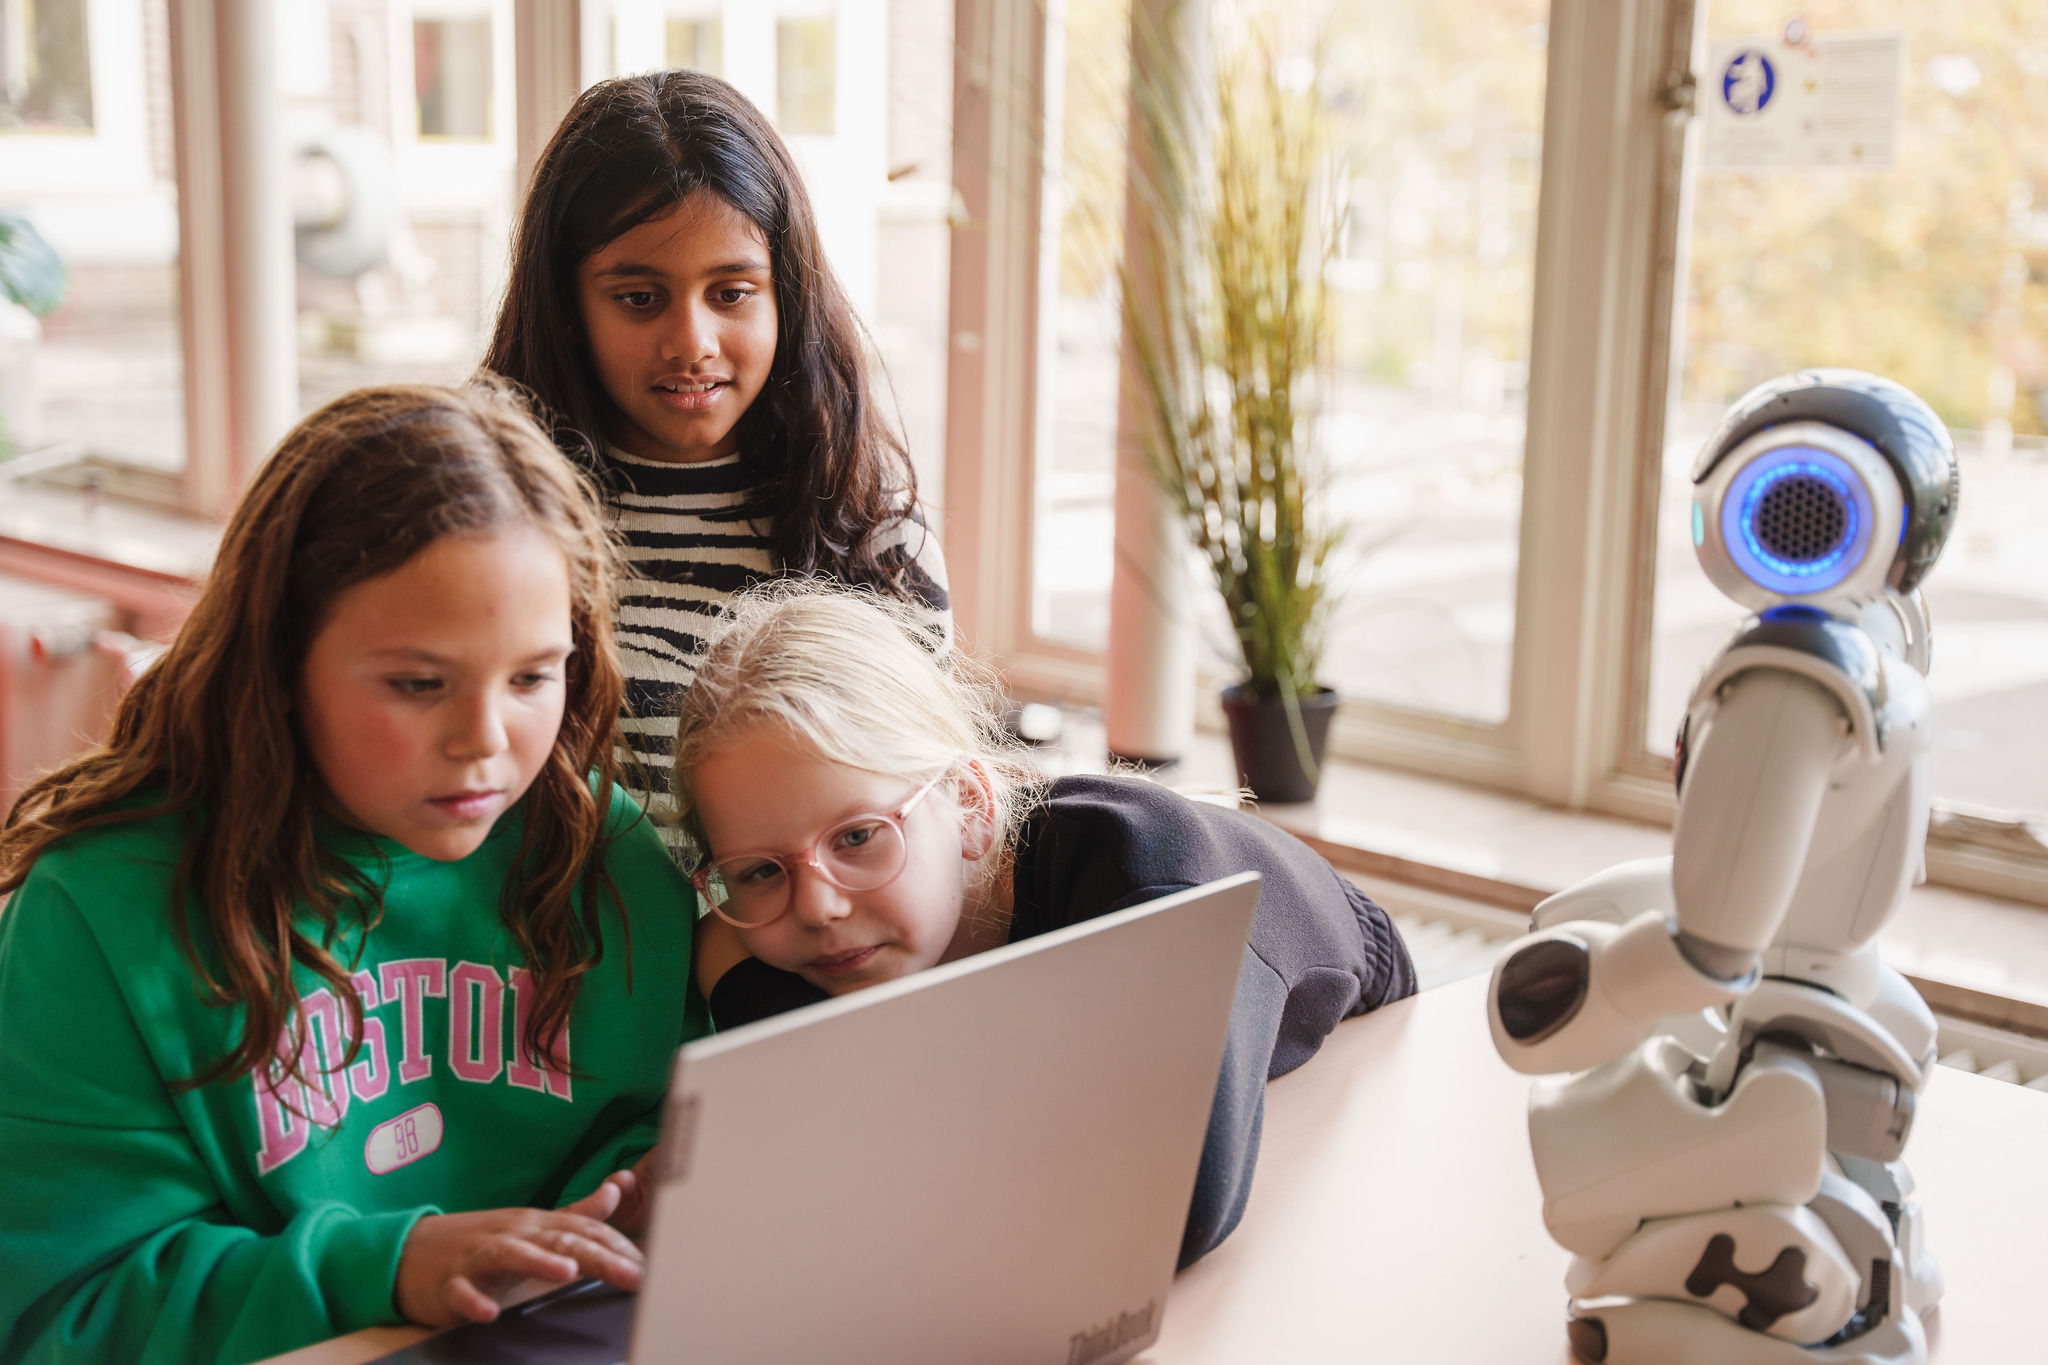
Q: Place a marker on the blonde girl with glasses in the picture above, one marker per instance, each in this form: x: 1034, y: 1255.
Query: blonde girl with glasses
x: 858, y: 815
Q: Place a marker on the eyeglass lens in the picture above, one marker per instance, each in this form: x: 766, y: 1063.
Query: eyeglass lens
x: 859, y: 855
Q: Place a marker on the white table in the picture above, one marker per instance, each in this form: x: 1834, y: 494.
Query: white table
x: 1395, y: 1215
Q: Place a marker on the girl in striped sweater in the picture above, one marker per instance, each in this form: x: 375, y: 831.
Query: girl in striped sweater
x: 671, y: 306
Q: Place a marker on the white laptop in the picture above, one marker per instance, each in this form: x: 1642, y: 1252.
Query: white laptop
x: 990, y: 1161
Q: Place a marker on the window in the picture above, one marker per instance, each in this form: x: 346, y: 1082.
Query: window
x: 806, y: 75
x: 1074, y: 470
x: 1933, y: 270
x: 451, y: 73
x: 402, y: 165
x: 86, y: 157
x: 1535, y: 263
x: 45, y: 67
x: 1438, y: 112
x: 697, y: 43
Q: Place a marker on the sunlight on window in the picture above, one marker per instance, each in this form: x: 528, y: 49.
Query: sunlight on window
x: 100, y: 377
x: 1437, y: 112
x: 1933, y: 272
x: 1074, y: 473
x: 401, y: 271
x: 45, y: 69
x: 698, y: 44
x: 451, y: 72
x: 806, y: 75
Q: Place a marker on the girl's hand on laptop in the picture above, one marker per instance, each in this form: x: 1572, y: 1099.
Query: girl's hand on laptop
x: 455, y: 1264
x: 636, y: 1196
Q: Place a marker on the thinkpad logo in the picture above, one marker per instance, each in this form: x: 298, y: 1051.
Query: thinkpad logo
x: 1094, y: 1343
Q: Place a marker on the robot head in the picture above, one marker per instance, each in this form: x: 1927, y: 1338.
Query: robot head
x: 1823, y: 486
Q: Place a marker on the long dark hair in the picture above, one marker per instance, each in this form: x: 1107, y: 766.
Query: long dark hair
x: 831, y: 472
x: 356, y: 490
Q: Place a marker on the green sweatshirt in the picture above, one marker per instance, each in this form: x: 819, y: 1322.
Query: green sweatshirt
x: 142, y: 1223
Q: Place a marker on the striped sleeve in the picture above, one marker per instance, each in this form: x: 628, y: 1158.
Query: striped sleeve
x: 690, y: 548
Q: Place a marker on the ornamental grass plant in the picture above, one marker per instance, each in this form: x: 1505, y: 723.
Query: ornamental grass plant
x: 1224, y: 301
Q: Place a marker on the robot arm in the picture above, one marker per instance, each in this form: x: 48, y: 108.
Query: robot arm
x: 1755, y: 778
x: 1585, y: 992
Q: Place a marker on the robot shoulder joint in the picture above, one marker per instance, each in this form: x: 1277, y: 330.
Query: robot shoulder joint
x: 1810, y: 642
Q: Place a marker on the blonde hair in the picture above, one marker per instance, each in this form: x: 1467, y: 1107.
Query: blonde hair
x: 856, y: 679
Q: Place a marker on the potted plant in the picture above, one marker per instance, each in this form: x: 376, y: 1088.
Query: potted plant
x: 1232, y: 348
x: 31, y: 284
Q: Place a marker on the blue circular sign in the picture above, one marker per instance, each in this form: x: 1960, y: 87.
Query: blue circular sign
x: 1748, y: 82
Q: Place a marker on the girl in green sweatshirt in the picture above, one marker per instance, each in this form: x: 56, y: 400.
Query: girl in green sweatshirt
x: 340, y: 987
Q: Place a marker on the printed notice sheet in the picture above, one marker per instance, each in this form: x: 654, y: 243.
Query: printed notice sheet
x: 1801, y: 100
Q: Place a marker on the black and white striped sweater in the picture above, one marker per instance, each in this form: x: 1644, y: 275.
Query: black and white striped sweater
x: 690, y: 549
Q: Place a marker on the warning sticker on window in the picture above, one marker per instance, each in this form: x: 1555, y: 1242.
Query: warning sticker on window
x: 1801, y: 100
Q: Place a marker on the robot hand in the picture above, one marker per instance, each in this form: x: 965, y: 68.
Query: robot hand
x: 1586, y: 992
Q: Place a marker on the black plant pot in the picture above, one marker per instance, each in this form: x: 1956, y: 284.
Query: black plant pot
x: 1263, y: 740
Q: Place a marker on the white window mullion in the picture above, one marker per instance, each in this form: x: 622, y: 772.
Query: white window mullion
x: 1597, y: 386
x: 998, y: 107
x: 547, y: 65
x: 236, y: 274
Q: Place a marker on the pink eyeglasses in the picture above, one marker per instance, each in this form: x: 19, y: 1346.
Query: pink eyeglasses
x: 864, y: 853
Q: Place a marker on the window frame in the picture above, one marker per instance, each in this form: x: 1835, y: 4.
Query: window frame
x: 114, y: 153
x: 1612, y: 209
x: 1614, y: 202
x: 430, y: 170
x: 238, y: 327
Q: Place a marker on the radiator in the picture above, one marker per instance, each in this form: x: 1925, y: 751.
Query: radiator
x: 61, y: 673
x: 1995, y: 1052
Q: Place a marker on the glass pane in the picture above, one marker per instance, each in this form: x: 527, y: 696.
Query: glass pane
x: 451, y: 74
x: 1074, y: 476
x: 101, y: 375
x: 698, y: 44
x: 402, y: 192
x: 806, y: 66
x: 1439, y: 111
x: 876, y: 156
x: 913, y: 228
x: 1934, y: 272
x: 45, y: 67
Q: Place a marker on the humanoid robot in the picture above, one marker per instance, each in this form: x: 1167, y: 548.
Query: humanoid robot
x: 1724, y: 1161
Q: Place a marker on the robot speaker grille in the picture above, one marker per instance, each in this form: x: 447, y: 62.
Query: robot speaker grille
x: 1801, y: 519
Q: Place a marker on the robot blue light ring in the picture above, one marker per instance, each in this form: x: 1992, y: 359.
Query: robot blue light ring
x: 1780, y: 573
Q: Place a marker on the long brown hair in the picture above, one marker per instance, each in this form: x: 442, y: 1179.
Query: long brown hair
x: 354, y: 492
x: 831, y: 471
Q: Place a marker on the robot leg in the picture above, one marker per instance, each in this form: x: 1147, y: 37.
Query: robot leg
x: 1710, y: 1231
x: 1890, y: 1185
x: 1666, y: 1332
x: 1810, y: 1276
x: 1634, y: 1140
